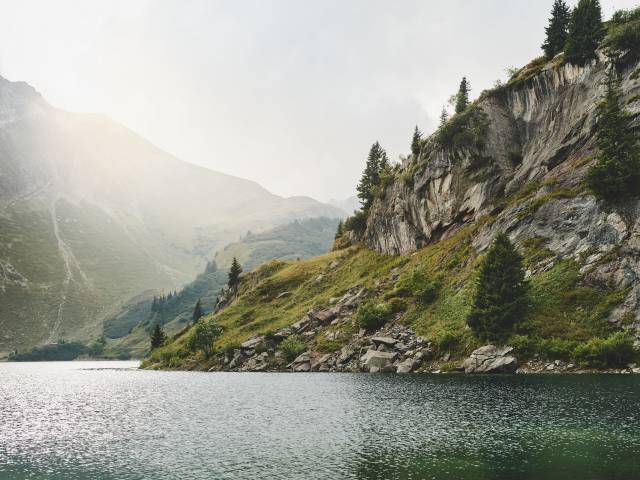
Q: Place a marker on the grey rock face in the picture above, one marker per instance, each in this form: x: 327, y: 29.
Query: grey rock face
x: 534, y: 127
x: 379, y: 361
x: 490, y: 359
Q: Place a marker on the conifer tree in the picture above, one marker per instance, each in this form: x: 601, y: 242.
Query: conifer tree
x: 339, y: 230
x: 234, y: 273
x: 444, y: 116
x: 616, y: 174
x: 416, y: 141
x: 158, y: 337
x: 462, y: 97
x: 585, y: 32
x: 377, y: 162
x: 557, y: 29
x: 197, y: 312
x: 154, y: 304
x: 501, y: 294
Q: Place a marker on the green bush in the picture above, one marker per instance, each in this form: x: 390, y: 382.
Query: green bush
x: 203, y: 335
x: 397, y: 305
x: 464, y: 130
x: 449, y: 341
x: 292, y: 346
x: 624, y: 31
x: 615, y: 351
x: 417, y: 285
x: 357, y: 222
x: 372, y: 314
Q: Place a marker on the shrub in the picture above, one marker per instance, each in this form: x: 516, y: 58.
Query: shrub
x: 416, y: 284
x: 464, y: 130
x: 291, y: 347
x: 203, y: 335
x: 357, y: 222
x: 615, y: 351
x: 372, y: 315
x: 397, y: 305
x: 449, y: 341
x: 624, y: 31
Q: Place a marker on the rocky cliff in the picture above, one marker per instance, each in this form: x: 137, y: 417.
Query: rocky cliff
x: 526, y: 178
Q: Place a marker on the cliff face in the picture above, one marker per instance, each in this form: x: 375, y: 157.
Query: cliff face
x: 527, y: 180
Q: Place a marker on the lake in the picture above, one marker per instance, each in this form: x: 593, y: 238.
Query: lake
x: 108, y: 420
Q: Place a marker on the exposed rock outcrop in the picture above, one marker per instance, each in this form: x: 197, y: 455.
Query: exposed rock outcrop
x: 491, y: 359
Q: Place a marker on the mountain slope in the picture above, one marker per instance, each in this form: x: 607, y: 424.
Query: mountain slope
x: 516, y: 162
x: 92, y: 214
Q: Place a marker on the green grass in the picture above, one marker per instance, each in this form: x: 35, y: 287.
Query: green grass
x: 563, y: 313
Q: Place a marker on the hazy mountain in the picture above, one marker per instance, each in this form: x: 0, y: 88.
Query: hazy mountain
x: 348, y: 205
x: 92, y: 214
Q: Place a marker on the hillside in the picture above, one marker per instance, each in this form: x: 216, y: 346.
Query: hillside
x: 128, y: 330
x: 514, y: 161
x: 91, y: 214
x: 299, y: 239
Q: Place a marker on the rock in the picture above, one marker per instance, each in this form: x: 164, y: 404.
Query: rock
x: 301, y: 324
x: 380, y: 360
x: 236, y: 360
x: 333, y: 335
x: 302, y: 363
x: 323, y: 316
x: 388, y: 341
x: 490, y: 359
x: 282, y: 295
x: 251, y: 343
x: 407, y: 366
x: 318, y: 361
x: 346, y: 353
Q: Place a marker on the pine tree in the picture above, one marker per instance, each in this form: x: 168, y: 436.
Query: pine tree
x: 616, y: 174
x: 158, y: 337
x: 557, y: 29
x: 234, y: 273
x: 197, y: 312
x: 416, y: 141
x: 154, y: 304
x: 585, y: 32
x: 377, y: 162
x: 462, y: 97
x: 339, y: 230
x: 501, y: 294
x: 444, y: 116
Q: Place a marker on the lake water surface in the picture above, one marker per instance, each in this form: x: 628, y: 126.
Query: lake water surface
x: 108, y: 420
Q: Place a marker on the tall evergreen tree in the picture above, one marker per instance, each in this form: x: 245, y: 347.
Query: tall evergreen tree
x: 616, y: 174
x: 158, y: 337
x: 339, y: 230
x: 462, y: 97
x: 377, y: 162
x: 197, y: 311
x: 444, y: 116
x: 234, y: 273
x: 501, y: 294
x: 586, y: 31
x: 557, y: 29
x: 416, y: 141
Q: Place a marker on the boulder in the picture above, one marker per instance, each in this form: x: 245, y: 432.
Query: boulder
x: 388, y: 341
x: 302, y: 363
x: 491, y: 359
x: 251, y: 343
x: 317, y: 362
x: 383, y: 361
x: 408, y: 366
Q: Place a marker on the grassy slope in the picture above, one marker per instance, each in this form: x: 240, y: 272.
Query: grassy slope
x: 562, y: 312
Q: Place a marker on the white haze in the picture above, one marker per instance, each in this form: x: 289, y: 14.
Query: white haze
x: 288, y: 93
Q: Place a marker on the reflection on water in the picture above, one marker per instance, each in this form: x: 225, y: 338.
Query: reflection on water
x: 88, y: 420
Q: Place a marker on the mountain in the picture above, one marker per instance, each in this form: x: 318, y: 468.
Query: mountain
x: 92, y: 214
x: 396, y: 293
x: 348, y: 205
x: 296, y: 240
x: 128, y: 330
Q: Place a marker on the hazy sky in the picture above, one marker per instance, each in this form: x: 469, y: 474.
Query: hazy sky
x: 290, y: 93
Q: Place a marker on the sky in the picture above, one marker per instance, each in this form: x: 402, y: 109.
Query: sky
x: 289, y: 93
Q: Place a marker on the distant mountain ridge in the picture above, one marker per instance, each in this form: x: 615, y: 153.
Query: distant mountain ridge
x: 92, y: 214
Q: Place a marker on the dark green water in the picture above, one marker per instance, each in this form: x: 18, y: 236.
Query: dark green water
x: 103, y: 421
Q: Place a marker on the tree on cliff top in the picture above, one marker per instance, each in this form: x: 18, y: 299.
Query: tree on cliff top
x: 585, y: 32
x: 416, y: 141
x: 377, y: 164
x: 616, y: 174
x: 462, y: 97
x: 501, y: 294
x: 197, y: 311
x: 557, y: 29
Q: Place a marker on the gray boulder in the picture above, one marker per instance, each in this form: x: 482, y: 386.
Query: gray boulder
x: 491, y: 359
x: 378, y: 361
